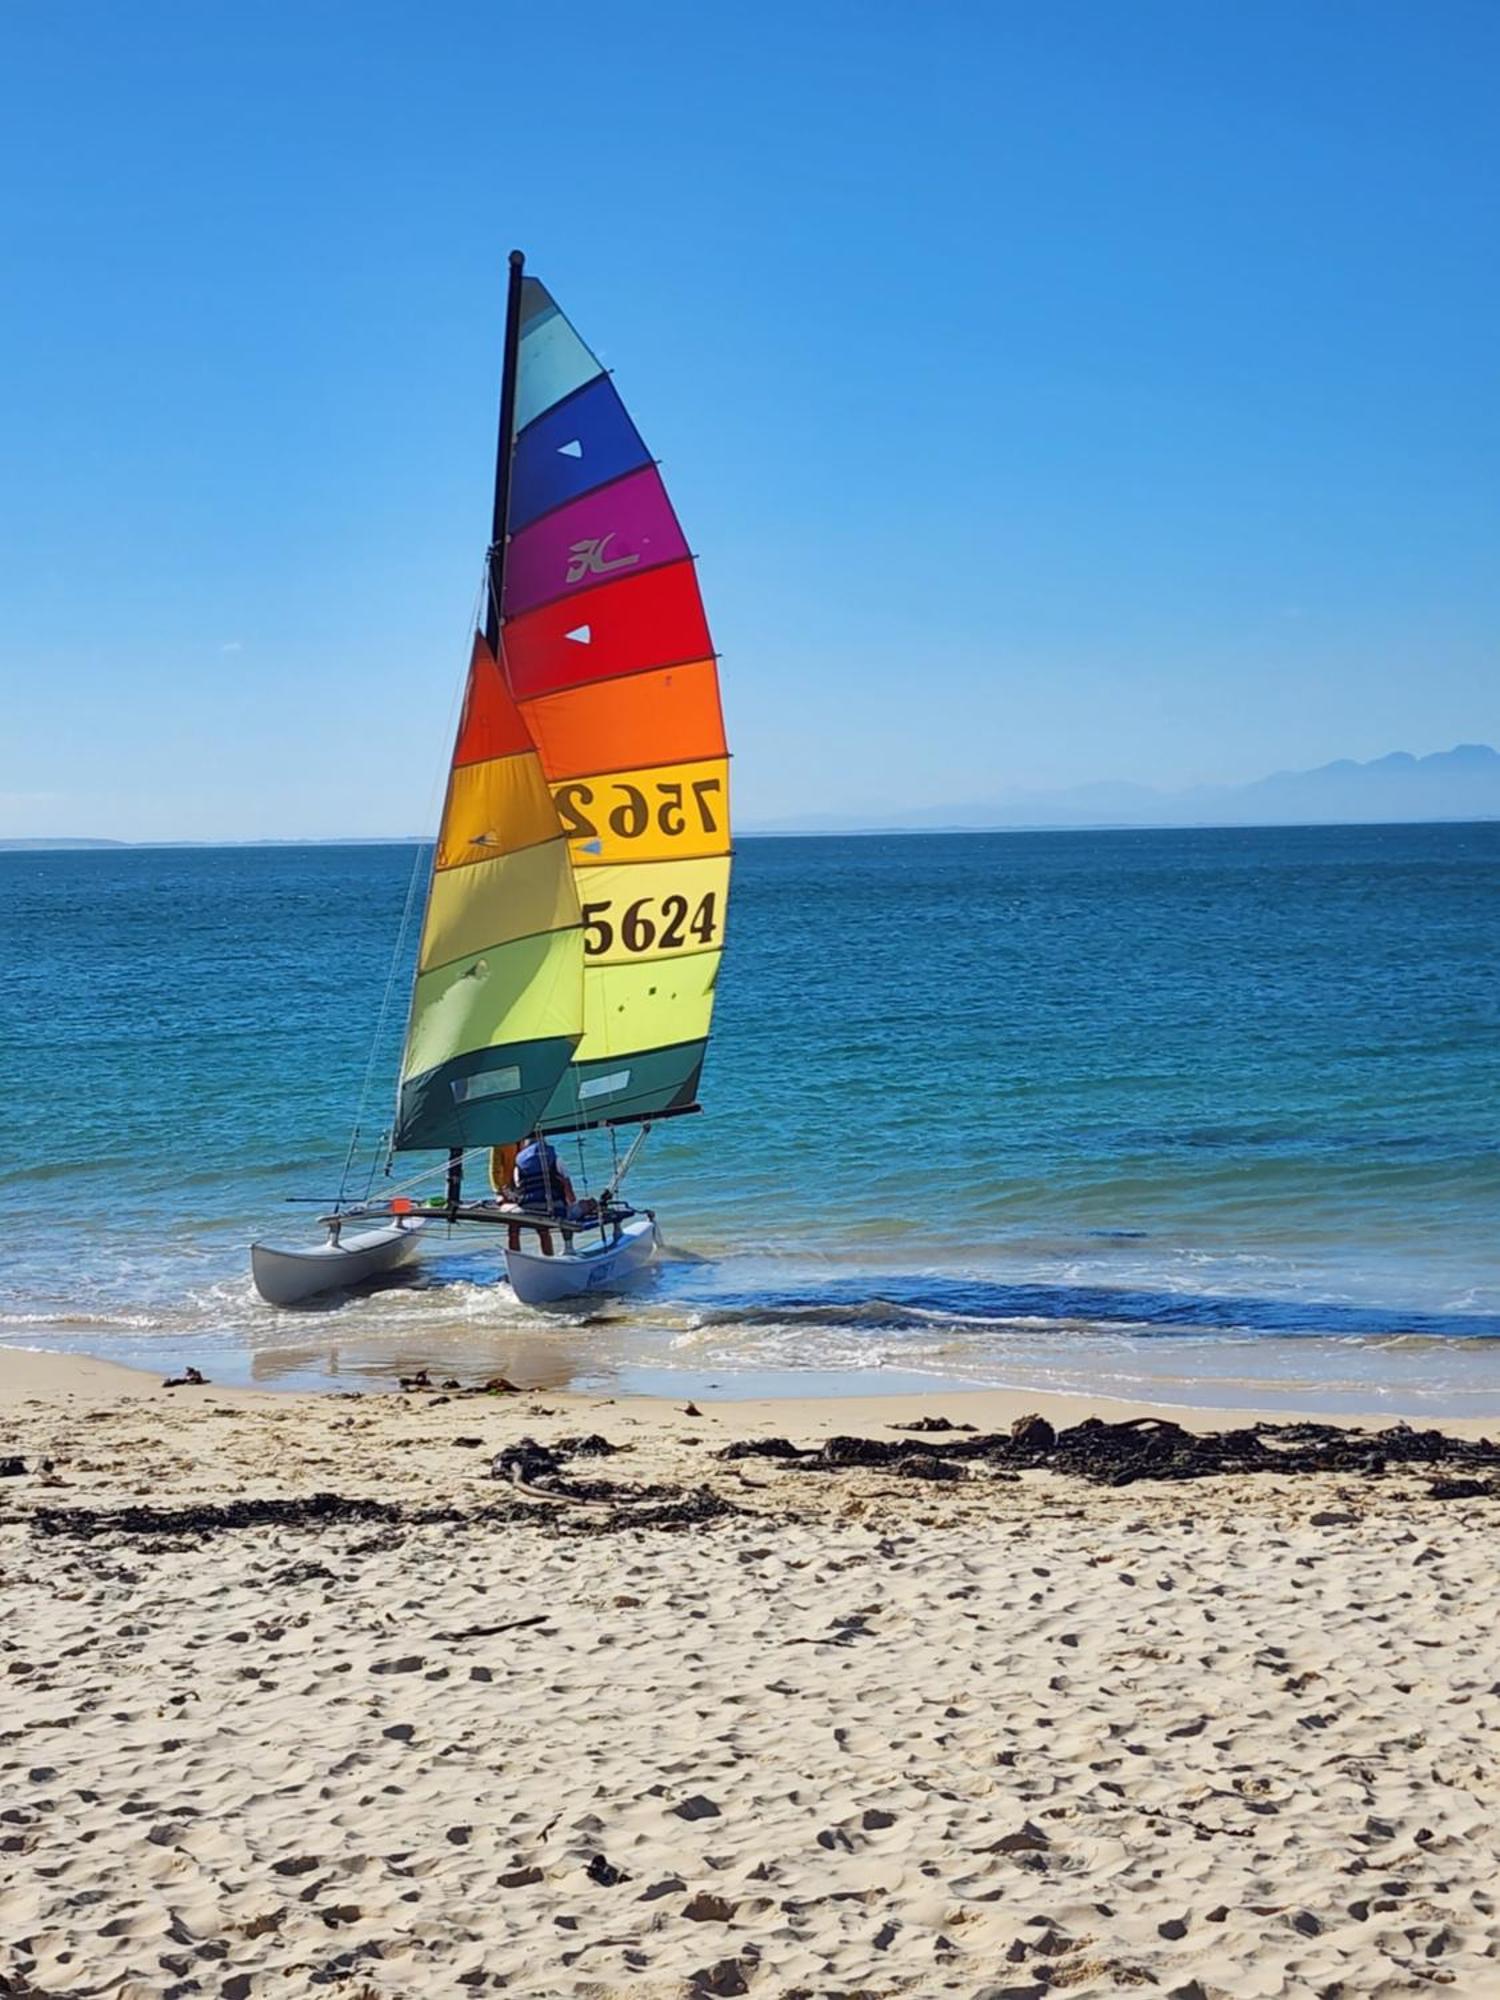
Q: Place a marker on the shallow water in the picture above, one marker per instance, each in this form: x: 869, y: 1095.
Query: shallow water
x: 1208, y: 1116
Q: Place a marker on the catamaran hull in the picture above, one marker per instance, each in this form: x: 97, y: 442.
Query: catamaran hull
x: 543, y: 1281
x: 285, y: 1277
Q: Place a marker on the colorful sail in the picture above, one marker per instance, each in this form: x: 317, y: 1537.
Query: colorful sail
x: 497, y: 1009
x: 607, y: 652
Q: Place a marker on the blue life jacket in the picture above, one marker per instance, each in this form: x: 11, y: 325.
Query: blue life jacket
x: 539, y: 1177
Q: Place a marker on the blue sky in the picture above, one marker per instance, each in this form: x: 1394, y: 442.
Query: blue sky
x: 1052, y: 392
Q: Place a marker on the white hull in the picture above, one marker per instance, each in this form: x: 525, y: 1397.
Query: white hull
x: 284, y: 1277
x: 569, y: 1274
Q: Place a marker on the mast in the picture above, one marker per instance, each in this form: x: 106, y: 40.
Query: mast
x: 495, y: 561
x: 504, y: 446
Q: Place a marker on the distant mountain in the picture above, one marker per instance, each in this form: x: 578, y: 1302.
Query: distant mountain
x: 1462, y: 783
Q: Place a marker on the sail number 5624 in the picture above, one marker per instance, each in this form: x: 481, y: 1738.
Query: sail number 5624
x: 672, y: 809
x: 650, y: 923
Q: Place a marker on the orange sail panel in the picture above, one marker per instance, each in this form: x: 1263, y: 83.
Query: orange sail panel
x: 607, y: 651
x: 671, y: 714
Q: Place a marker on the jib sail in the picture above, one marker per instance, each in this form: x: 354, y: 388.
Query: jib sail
x: 497, y: 1008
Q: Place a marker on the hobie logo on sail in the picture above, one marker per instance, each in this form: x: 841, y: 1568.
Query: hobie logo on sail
x: 588, y: 559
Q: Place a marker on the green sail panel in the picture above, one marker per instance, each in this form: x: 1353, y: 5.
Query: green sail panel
x: 648, y: 1084
x: 487, y: 1098
x: 645, y: 1031
x: 498, y: 1004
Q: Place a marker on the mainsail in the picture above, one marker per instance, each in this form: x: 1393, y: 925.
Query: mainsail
x: 567, y: 970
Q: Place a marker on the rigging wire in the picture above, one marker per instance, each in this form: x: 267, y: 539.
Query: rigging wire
x: 378, y: 1036
x: 398, y: 954
x: 622, y: 1169
x: 427, y: 1173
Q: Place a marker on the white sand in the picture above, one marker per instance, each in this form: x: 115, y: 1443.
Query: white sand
x: 873, y: 1737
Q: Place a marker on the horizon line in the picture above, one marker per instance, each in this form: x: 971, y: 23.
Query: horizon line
x: 105, y: 844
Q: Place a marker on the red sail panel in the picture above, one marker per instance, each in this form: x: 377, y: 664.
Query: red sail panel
x: 621, y: 627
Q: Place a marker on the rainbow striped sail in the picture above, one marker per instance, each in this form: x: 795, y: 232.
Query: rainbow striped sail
x: 575, y: 919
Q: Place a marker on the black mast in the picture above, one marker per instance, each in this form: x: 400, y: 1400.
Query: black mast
x: 504, y: 444
x: 495, y: 562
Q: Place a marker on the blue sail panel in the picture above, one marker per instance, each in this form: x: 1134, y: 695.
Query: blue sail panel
x: 582, y: 443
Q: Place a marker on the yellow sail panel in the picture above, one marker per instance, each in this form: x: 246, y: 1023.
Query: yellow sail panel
x: 633, y: 1007
x: 515, y: 994
x: 653, y: 910
x: 669, y: 812
x: 494, y: 902
x: 494, y: 808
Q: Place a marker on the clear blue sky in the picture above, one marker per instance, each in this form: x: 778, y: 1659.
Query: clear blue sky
x: 1054, y: 389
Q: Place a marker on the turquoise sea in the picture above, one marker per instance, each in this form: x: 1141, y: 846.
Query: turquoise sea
x: 1212, y: 1116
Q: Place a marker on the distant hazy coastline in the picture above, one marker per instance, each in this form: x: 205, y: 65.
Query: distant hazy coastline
x: 1396, y: 790
x: 1399, y: 789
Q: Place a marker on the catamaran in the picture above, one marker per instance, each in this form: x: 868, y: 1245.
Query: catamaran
x: 574, y: 921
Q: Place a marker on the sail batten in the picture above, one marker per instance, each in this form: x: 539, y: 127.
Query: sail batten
x: 574, y: 926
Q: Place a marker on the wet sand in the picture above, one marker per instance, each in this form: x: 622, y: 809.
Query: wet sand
x: 1007, y: 1732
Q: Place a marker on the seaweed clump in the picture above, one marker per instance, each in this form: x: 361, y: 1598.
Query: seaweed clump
x: 537, y: 1472
x: 1119, y: 1454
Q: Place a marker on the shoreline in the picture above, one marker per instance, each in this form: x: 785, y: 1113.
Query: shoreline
x: 44, y: 1374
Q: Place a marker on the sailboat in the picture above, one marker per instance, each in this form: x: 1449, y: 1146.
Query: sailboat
x: 574, y: 920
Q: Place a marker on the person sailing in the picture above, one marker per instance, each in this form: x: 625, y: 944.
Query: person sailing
x: 541, y: 1187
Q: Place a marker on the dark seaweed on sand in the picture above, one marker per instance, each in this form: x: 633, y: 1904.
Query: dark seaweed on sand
x: 582, y: 1506
x: 1153, y: 1448
x: 1107, y: 1454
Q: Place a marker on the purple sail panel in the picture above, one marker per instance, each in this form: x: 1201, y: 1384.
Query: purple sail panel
x: 617, y: 531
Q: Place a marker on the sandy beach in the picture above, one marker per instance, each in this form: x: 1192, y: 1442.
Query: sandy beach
x: 750, y: 1725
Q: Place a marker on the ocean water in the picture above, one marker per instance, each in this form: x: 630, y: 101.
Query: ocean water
x: 1211, y: 1116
